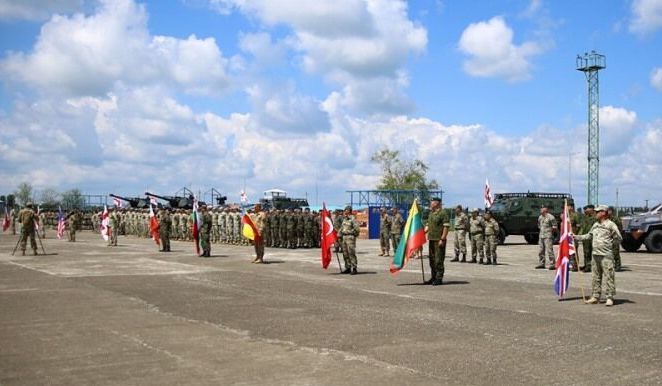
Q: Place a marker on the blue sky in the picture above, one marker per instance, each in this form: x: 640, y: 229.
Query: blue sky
x: 123, y: 96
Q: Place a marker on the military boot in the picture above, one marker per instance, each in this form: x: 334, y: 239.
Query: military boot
x: 347, y: 270
x: 464, y: 258
x: 456, y: 258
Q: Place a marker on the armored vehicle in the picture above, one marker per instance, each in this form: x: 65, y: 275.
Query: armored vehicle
x: 277, y: 199
x: 517, y: 213
x: 134, y: 202
x: 644, y: 228
x: 177, y: 202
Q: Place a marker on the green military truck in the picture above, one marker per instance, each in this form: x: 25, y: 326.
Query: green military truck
x: 517, y: 213
x: 644, y: 228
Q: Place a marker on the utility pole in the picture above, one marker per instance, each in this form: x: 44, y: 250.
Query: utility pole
x: 590, y: 64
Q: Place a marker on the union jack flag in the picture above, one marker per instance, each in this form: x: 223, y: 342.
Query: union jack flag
x: 566, y: 251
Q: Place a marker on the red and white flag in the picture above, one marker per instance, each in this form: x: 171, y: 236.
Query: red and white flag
x: 566, y: 251
x: 329, y: 236
x: 152, y: 201
x: 195, y: 226
x: 60, y: 224
x: 243, y: 197
x: 487, y: 195
x: 105, y: 228
x: 154, y: 226
x: 36, y: 222
x: 117, y: 202
x: 6, y: 221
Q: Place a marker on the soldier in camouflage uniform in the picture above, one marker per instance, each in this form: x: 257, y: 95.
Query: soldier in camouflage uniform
x: 397, y: 222
x: 586, y: 224
x: 617, y: 243
x: 113, y: 224
x: 214, y: 226
x: 491, y: 238
x: 337, y: 221
x: 165, y: 224
x: 349, y: 231
x: 460, y: 234
x: 437, y: 230
x: 603, y: 234
x: 27, y: 217
x: 239, y: 239
x: 274, y: 228
x: 205, y: 231
x: 477, y: 235
x: 384, y: 232
x: 547, y: 226
x: 290, y: 224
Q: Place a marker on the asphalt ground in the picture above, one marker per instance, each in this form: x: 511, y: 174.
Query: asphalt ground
x: 88, y: 314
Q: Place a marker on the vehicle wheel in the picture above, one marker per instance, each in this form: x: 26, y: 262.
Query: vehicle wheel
x: 654, y: 241
x: 531, y: 238
x: 630, y: 244
x: 502, y: 236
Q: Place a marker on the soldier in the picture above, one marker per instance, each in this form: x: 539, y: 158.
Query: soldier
x: 460, y: 234
x: 258, y: 217
x: 397, y: 222
x: 274, y: 228
x: 205, y: 231
x: 165, y: 226
x: 308, y: 229
x: 587, y: 223
x: 385, y: 232
x: 491, y: 238
x: 603, y: 234
x: 290, y: 225
x: 239, y: 239
x: 113, y: 225
x: 14, y: 220
x: 222, y: 226
x: 546, y: 226
x: 616, y: 219
x: 349, y: 230
x: 476, y: 235
x: 72, y: 225
x: 337, y: 222
x: 27, y: 217
x: 42, y: 224
x: 299, y: 227
x: 437, y: 230
x: 266, y: 233
x: 214, y: 226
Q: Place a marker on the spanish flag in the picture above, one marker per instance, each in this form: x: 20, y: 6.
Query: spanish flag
x: 248, y: 228
x: 413, y: 237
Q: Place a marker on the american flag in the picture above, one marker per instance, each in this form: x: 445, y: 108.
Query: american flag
x: 566, y: 250
x: 487, y: 195
x: 60, y: 224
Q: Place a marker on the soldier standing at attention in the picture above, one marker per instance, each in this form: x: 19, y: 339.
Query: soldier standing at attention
x: 349, y: 229
x: 165, y: 222
x: 205, y: 231
x: 476, y: 235
x: 491, y: 238
x: 397, y: 222
x: 617, y: 244
x: 603, y: 234
x: 385, y: 232
x: 337, y: 221
x: 259, y: 219
x: 113, y: 225
x: 437, y: 230
x: 461, y: 227
x: 42, y: 224
x: 546, y: 226
x: 27, y: 217
x: 586, y: 225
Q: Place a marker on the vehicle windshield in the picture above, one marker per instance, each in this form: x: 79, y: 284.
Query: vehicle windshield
x: 498, y: 206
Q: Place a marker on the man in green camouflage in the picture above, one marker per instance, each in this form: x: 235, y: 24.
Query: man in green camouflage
x: 27, y: 217
x: 546, y: 227
x: 437, y: 230
x: 476, y: 235
x: 397, y: 223
x: 205, y: 231
x: 460, y: 234
x: 603, y: 234
x: 113, y: 227
x: 491, y: 238
x: 586, y: 224
x: 384, y: 232
x: 165, y: 223
x: 349, y: 231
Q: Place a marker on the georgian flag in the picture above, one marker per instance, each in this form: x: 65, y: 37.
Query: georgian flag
x: 487, y: 195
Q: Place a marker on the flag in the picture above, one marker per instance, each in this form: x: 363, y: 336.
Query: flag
x: 152, y: 201
x: 566, y: 250
x: 487, y: 195
x: 105, y: 229
x: 36, y: 222
x: 117, y: 202
x: 196, y: 226
x: 6, y: 221
x: 243, y: 197
x: 60, y: 224
x: 154, y: 226
x: 413, y: 237
x: 248, y: 228
x: 329, y: 236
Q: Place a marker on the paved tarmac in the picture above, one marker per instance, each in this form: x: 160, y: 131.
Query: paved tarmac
x: 87, y: 314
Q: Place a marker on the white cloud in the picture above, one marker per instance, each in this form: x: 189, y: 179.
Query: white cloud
x: 646, y: 16
x: 87, y: 55
x: 656, y: 78
x: 35, y: 10
x: 617, y: 129
x: 492, y: 53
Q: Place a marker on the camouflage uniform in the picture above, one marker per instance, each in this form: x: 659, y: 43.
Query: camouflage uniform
x: 436, y: 223
x: 397, y: 222
x: 113, y: 226
x: 205, y: 233
x: 165, y: 224
x: 274, y: 228
x: 477, y: 236
x: 290, y: 224
x: 214, y: 227
x: 349, y: 230
x: 491, y: 240
x: 586, y: 224
x: 460, y: 236
x: 385, y: 233
x: 546, y: 225
x: 27, y: 217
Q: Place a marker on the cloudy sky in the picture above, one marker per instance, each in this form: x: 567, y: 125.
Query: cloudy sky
x: 121, y: 96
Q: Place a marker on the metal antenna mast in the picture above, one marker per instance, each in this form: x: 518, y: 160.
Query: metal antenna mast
x: 590, y: 64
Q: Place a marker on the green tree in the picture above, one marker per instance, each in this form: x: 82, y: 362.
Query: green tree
x: 23, y: 193
x: 49, y: 197
x: 73, y: 199
x: 403, y: 174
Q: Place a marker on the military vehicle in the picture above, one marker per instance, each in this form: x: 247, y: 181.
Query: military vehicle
x: 517, y: 213
x: 644, y: 228
x: 134, y: 202
x: 277, y: 199
x: 177, y: 202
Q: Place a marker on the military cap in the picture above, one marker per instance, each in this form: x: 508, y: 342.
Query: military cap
x: 29, y: 205
x: 601, y: 208
x: 348, y: 207
x: 436, y: 199
x: 475, y: 210
x: 590, y: 206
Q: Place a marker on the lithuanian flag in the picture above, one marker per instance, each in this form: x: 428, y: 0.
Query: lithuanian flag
x: 413, y: 237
